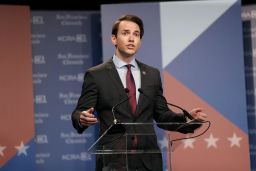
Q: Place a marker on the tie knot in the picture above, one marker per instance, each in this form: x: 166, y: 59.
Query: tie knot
x: 128, y: 66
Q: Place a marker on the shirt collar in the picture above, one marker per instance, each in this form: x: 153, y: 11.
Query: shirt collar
x: 119, y: 63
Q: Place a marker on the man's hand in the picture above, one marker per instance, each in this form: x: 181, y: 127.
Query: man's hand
x: 87, y: 117
x: 198, y: 114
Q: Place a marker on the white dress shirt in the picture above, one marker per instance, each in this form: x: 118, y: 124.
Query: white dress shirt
x: 122, y: 70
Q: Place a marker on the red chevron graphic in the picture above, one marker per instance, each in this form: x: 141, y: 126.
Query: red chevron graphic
x: 223, y: 147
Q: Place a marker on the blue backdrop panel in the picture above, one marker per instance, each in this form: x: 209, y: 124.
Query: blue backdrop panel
x: 249, y: 30
x: 65, y: 44
x: 204, y: 53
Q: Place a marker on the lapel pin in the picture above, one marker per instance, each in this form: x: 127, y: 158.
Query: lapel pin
x: 144, y: 72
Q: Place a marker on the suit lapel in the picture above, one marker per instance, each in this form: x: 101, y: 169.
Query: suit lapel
x: 120, y: 90
x: 115, y: 79
x: 143, y: 75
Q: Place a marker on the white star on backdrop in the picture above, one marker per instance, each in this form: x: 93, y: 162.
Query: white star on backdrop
x: 234, y: 140
x: 188, y: 143
x: 211, y: 141
x: 22, y: 149
x: 1, y: 150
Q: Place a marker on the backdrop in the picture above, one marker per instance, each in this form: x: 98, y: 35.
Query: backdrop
x: 198, y: 47
x: 65, y: 44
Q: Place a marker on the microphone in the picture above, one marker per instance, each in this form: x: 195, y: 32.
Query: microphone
x: 118, y: 104
x: 186, y: 113
x: 126, y: 90
x: 188, y: 127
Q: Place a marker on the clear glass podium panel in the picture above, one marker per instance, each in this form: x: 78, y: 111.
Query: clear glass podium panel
x: 122, y: 143
x: 125, y: 138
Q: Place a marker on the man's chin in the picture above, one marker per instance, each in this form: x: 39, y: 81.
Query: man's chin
x: 130, y: 53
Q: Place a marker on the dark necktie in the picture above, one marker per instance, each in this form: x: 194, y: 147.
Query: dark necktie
x: 130, y: 84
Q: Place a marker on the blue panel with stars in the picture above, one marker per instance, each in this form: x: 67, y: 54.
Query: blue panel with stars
x: 24, y: 159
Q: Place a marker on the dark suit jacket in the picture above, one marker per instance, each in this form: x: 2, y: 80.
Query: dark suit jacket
x: 102, y: 89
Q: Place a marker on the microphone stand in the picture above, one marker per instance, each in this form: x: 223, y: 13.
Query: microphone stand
x: 115, y: 121
x: 111, y: 130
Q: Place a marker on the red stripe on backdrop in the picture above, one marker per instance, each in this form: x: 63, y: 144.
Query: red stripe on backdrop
x: 223, y: 147
x: 16, y: 88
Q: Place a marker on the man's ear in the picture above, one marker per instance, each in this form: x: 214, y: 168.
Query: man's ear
x: 113, y: 39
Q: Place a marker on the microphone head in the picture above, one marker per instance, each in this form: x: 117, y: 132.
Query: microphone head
x: 126, y: 90
x: 140, y: 90
x: 187, y: 114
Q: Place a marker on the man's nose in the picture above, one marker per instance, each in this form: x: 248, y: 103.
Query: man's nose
x: 131, y: 38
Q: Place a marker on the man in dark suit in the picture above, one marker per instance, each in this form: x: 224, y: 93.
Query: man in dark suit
x: 109, y: 83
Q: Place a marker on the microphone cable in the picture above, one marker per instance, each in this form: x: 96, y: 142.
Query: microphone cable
x: 195, y: 136
x: 186, y: 113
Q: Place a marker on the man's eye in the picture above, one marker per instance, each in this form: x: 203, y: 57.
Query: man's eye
x: 136, y: 34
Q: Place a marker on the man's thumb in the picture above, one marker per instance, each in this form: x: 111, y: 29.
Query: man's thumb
x: 91, y: 110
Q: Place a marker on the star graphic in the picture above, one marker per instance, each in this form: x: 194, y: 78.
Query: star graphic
x: 234, y: 140
x: 22, y: 148
x: 1, y: 150
x: 163, y: 143
x: 188, y: 143
x: 211, y: 141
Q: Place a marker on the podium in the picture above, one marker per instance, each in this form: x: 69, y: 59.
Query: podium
x: 122, y: 144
